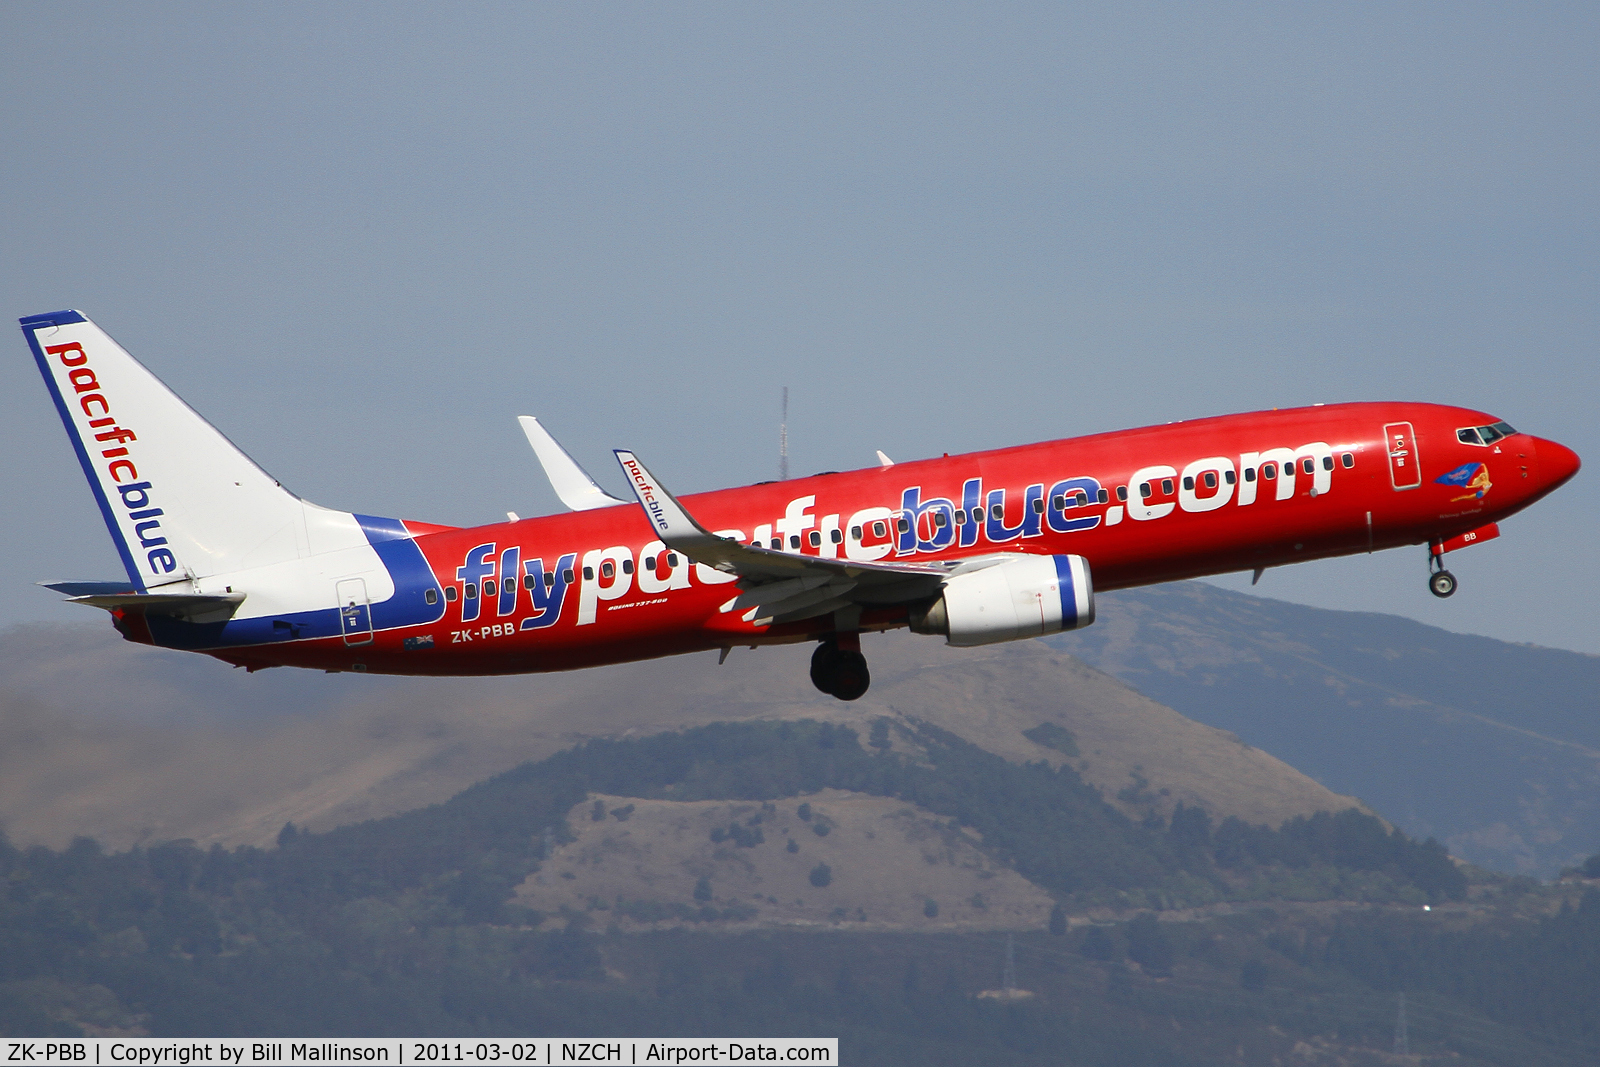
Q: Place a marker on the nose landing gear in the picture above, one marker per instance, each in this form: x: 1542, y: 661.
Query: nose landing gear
x: 1441, y: 583
x: 839, y: 669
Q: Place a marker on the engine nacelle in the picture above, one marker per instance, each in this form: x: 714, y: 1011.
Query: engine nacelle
x: 1028, y: 596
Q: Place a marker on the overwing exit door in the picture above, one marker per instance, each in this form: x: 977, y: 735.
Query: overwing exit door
x: 355, y: 614
x: 1400, y: 441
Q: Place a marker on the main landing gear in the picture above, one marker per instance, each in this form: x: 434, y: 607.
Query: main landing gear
x: 839, y: 669
x: 1441, y: 583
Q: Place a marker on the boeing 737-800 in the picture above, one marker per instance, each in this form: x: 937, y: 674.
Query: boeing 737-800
x: 977, y: 548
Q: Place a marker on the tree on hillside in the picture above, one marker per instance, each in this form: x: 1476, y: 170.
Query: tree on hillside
x: 1148, y: 945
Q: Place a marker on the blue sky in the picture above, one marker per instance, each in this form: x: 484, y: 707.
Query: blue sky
x: 362, y: 238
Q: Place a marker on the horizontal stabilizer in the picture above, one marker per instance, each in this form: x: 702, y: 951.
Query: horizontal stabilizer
x: 90, y: 588
x: 191, y: 607
x: 571, y: 482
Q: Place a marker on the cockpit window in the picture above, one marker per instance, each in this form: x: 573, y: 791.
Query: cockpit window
x: 1484, y: 435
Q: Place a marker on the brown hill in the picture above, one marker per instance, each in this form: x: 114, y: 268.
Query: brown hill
x: 885, y: 862
x: 129, y: 744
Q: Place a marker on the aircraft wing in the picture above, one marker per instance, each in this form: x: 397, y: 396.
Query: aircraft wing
x: 780, y: 586
x: 571, y: 482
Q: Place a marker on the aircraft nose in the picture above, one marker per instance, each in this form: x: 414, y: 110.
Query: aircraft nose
x: 1557, y: 463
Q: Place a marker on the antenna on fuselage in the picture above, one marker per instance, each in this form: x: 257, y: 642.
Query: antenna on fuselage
x: 783, y: 439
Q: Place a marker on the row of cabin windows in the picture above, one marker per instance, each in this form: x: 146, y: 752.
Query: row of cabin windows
x: 609, y: 569
x: 1268, y: 471
x: 814, y: 538
x: 491, y: 587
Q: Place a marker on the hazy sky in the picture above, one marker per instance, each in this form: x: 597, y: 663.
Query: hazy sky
x: 362, y: 238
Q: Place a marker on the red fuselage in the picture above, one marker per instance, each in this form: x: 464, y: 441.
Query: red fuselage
x: 1231, y: 493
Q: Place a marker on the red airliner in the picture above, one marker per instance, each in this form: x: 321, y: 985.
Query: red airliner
x: 977, y: 548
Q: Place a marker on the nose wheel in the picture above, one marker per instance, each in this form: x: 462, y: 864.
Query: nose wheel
x: 840, y: 671
x: 1441, y: 583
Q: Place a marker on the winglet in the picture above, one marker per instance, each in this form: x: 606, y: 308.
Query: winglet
x: 674, y: 525
x: 884, y: 461
x: 572, y: 484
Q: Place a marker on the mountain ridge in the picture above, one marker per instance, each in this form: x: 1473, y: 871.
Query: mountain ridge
x: 278, y: 749
x: 1490, y: 746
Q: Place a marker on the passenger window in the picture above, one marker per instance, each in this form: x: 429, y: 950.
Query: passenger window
x: 490, y: 587
x: 777, y: 543
x: 1211, y: 479
x: 1038, y: 506
x: 939, y: 520
x: 1102, y: 496
x: 1249, y: 474
x: 472, y: 591
x: 1188, y: 483
x: 901, y: 524
x: 961, y: 516
x: 649, y: 563
x: 1269, y: 471
x: 550, y: 579
x: 879, y: 529
x: 588, y: 574
x: 627, y: 566
x: 608, y: 569
x: 816, y: 537
x: 1307, y: 466
x: 431, y: 596
x: 794, y: 540
x: 855, y: 533
x: 1166, y: 487
x: 672, y: 559
x: 529, y: 581
x: 1327, y: 463
x: 1058, y: 502
x: 566, y: 575
x: 835, y: 536
x: 450, y: 593
x: 1348, y: 460
x: 1122, y: 492
x: 1229, y: 477
x: 1144, y: 490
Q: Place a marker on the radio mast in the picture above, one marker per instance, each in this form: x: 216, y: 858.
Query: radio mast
x: 783, y: 439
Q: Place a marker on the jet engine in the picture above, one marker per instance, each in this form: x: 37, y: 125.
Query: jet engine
x: 1026, y: 596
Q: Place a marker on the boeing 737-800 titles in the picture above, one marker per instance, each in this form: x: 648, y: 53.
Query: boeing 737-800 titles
x: 977, y: 548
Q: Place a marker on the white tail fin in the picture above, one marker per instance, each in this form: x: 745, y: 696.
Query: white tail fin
x: 180, y: 499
